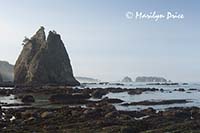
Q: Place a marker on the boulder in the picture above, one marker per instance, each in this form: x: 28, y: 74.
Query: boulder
x: 28, y: 99
x: 149, y: 111
x: 46, y: 114
x: 111, y: 100
x: 44, y: 62
x: 99, y: 93
x: 26, y: 114
x: 69, y: 99
x: 180, y: 89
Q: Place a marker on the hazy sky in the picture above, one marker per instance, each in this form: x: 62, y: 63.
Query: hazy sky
x: 104, y: 44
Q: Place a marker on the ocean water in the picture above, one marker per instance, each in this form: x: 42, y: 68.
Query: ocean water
x: 142, y: 85
x: 193, y: 96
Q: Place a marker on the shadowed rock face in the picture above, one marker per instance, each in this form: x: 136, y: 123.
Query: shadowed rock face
x: 44, y: 62
x: 1, y: 79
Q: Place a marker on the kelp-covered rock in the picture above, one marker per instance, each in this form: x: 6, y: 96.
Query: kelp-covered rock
x: 44, y: 62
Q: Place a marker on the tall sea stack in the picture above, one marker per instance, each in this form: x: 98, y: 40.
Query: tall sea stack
x: 44, y: 62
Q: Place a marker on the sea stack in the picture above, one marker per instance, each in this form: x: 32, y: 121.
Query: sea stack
x: 44, y: 62
x: 127, y: 79
x: 7, y: 72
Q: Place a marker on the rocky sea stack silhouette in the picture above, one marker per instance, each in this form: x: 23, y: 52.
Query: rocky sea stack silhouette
x: 127, y: 79
x: 6, y: 71
x: 44, y: 62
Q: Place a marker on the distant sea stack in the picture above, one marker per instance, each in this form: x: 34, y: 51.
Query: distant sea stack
x: 127, y: 79
x: 150, y: 79
x: 44, y: 62
x: 6, y: 71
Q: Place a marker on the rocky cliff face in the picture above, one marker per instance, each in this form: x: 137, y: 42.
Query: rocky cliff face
x: 44, y: 62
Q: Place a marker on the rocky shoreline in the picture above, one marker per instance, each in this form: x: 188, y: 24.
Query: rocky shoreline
x: 101, y: 117
x: 75, y: 96
x: 70, y: 109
